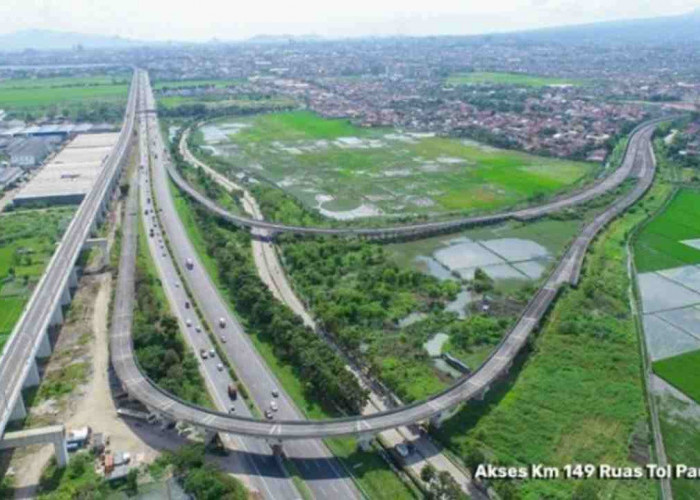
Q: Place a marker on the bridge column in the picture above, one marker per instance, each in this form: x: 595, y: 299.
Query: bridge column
x: 276, y: 445
x: 209, y: 436
x: 61, y: 451
x: 73, y: 279
x: 33, y: 378
x: 44, y: 350
x: 364, y: 442
x: 19, y: 411
x: 481, y: 395
x: 57, y: 316
x: 437, y: 420
x: 65, y: 296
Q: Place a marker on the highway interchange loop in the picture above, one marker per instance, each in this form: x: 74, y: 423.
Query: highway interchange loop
x: 638, y: 163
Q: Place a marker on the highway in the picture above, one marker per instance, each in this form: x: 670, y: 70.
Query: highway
x: 591, y: 192
x: 638, y: 163
x: 322, y: 472
x: 272, y: 274
x: 19, y: 352
x: 253, y: 460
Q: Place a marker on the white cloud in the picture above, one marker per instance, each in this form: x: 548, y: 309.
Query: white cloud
x: 204, y: 19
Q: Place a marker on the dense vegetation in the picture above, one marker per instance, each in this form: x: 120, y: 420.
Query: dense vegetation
x: 160, y: 348
x: 358, y: 294
x: 680, y: 426
x: 316, y: 363
x: 27, y: 241
x: 204, y: 481
x: 578, y: 398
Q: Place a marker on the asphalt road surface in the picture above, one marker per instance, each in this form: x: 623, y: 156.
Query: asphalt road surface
x: 323, y: 473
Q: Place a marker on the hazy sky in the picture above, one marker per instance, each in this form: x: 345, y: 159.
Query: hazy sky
x: 235, y: 19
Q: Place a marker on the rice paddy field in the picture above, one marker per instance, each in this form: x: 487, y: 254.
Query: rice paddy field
x: 35, y: 93
x: 27, y: 241
x: 348, y: 172
x: 683, y: 372
x: 661, y: 244
x: 519, y: 79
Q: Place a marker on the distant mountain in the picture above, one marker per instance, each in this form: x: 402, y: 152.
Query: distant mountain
x: 284, y: 38
x: 684, y: 28
x: 60, y: 40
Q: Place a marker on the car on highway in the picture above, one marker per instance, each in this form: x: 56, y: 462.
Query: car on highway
x: 222, y: 323
x: 273, y: 406
x: 269, y: 415
x: 223, y: 339
x: 198, y: 329
x: 212, y: 353
x: 203, y: 353
x: 187, y: 304
x: 220, y: 367
x: 232, y: 409
x: 189, y: 263
x: 275, y: 393
x: 188, y: 322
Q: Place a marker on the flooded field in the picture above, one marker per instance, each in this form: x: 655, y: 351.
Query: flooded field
x: 349, y: 172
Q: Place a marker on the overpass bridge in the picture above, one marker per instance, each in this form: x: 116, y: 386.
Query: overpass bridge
x: 30, y: 339
x: 638, y: 164
x: 423, y: 229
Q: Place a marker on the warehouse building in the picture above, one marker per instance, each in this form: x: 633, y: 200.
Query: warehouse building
x: 69, y: 176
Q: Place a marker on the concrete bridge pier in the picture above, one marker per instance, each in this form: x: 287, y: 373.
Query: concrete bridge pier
x: 54, y: 434
x: 482, y: 394
x: 73, y: 279
x: 65, y: 296
x: 57, y: 316
x: 209, y: 436
x: 33, y: 377
x: 44, y: 350
x: 19, y: 411
x: 276, y: 445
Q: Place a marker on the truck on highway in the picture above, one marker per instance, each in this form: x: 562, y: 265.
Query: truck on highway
x: 189, y: 263
x: 232, y: 392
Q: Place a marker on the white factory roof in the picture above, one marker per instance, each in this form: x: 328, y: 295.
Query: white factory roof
x: 72, y: 172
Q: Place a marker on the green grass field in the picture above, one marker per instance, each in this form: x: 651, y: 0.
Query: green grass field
x: 178, y: 84
x: 682, y: 372
x: 578, y: 397
x: 28, y: 94
x: 681, y: 432
x: 27, y: 241
x: 386, y: 170
x: 659, y: 243
x: 519, y: 79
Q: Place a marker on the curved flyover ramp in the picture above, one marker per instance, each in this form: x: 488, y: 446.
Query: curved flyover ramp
x: 638, y: 163
x: 591, y: 192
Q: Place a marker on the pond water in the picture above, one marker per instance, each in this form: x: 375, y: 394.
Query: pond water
x: 434, y: 344
x: 435, y: 268
x: 463, y: 298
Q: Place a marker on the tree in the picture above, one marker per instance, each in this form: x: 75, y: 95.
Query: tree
x: 427, y: 473
x: 473, y: 459
x: 132, y: 486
